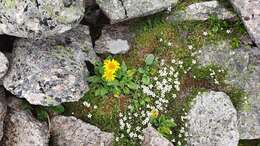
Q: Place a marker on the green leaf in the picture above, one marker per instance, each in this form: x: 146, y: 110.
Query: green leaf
x: 146, y: 80
x: 101, y: 92
x: 141, y: 70
x: 94, y: 79
x: 41, y: 114
x: 130, y: 73
x: 123, y: 67
x: 164, y: 130
x: 149, y: 59
x: 58, y: 109
x: 132, y: 85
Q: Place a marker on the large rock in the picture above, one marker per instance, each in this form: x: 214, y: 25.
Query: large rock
x: 70, y: 131
x: 250, y: 13
x: 3, y: 110
x: 22, y: 129
x: 4, y: 63
x: 202, y: 11
x: 154, y: 138
x: 52, y: 70
x: 39, y: 18
x: 243, y: 66
x: 120, y: 10
x: 115, y: 39
x: 212, y: 121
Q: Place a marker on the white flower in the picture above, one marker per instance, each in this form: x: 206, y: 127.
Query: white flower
x: 95, y: 107
x: 173, y: 61
x: 117, y: 139
x: 89, y: 115
x: 205, y: 33
x: 169, y: 44
x: 161, y: 40
x: 194, y: 61
x: 86, y: 104
x: 190, y: 47
x: 228, y: 31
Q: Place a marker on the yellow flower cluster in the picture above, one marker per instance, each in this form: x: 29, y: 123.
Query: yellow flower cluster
x: 111, y: 66
x: 154, y: 113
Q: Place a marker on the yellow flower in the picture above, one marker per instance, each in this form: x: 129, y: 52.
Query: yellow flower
x: 111, y: 65
x: 154, y: 113
x: 109, y: 76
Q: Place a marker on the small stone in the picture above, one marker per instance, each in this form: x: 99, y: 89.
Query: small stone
x: 70, y: 131
x: 114, y: 39
x: 213, y: 121
x: 154, y: 138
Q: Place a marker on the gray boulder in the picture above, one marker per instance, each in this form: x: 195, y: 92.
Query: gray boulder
x: 120, y: 10
x: 154, y: 138
x: 4, y: 63
x: 212, y: 121
x: 53, y: 70
x: 115, y: 39
x: 22, y: 129
x: 40, y: 18
x: 250, y: 14
x: 202, y: 11
x: 243, y: 66
x: 70, y: 131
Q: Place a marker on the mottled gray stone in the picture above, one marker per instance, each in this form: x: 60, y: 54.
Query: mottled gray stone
x: 70, y: 131
x: 249, y: 11
x: 52, y: 70
x: 22, y: 129
x: 39, y: 18
x: 4, y: 63
x: 212, y: 121
x: 202, y: 11
x: 243, y: 66
x: 154, y: 138
x: 120, y: 10
x: 115, y: 39
x: 3, y: 110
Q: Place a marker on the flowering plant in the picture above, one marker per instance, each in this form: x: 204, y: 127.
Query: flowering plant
x: 112, y: 77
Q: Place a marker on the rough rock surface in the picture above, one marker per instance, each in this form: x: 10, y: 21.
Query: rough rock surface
x: 202, y: 11
x: 250, y: 14
x: 120, y: 10
x: 53, y: 70
x: 212, y: 121
x: 243, y: 67
x: 4, y: 63
x: 3, y: 110
x: 154, y: 138
x: 70, y: 131
x: 114, y: 39
x: 40, y: 18
x: 21, y: 129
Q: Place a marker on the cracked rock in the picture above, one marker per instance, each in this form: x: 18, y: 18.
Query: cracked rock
x: 120, y: 10
x: 212, y: 120
x: 70, y: 131
x: 39, y: 18
x: 115, y: 39
x: 3, y: 110
x: 53, y: 70
x: 202, y: 11
x: 250, y: 14
x: 22, y: 129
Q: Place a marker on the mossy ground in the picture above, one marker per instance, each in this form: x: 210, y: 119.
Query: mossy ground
x: 149, y: 32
